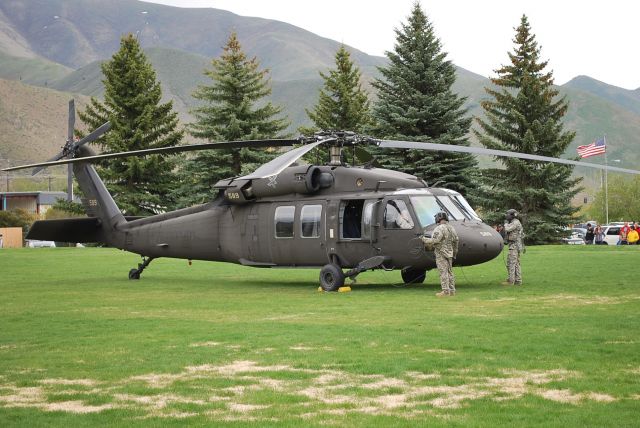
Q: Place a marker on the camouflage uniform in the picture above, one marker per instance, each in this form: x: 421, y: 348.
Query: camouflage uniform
x: 444, y: 242
x: 513, y: 229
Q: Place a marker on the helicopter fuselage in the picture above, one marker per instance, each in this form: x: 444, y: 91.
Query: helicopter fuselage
x: 329, y: 226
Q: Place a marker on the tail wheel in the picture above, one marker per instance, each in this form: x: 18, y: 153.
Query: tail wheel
x: 413, y: 276
x: 331, y: 277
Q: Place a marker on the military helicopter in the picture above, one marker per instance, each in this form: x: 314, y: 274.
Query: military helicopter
x: 343, y: 219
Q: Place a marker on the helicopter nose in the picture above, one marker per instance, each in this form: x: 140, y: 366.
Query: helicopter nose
x: 478, y: 243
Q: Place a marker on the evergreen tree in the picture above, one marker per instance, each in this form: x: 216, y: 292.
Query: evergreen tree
x: 139, y: 185
x: 233, y: 108
x: 415, y: 103
x: 524, y: 115
x: 342, y: 103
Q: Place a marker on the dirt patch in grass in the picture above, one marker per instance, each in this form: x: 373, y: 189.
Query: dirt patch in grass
x: 205, y: 344
x: 8, y: 347
x: 74, y: 407
x: 325, y: 392
x: 81, y: 382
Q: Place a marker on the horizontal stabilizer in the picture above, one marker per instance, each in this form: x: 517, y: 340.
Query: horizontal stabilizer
x: 84, y: 229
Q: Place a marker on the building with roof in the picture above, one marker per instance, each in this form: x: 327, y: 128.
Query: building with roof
x: 32, y: 202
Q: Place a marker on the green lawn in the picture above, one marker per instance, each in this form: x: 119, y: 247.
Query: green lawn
x: 219, y: 344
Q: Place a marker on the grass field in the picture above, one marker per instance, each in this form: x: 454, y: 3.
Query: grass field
x: 224, y: 345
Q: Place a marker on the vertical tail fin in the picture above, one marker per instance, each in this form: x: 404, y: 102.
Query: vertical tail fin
x: 97, y: 200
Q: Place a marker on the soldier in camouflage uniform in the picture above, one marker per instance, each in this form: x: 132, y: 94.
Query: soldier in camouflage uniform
x: 513, y: 230
x: 444, y: 243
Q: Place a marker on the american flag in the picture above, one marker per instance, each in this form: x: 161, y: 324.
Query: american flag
x: 598, y: 147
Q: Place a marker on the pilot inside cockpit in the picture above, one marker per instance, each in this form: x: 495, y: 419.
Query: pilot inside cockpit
x: 397, y: 215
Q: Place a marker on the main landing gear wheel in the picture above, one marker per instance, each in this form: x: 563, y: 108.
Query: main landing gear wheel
x: 413, y: 276
x: 331, y: 277
x: 135, y: 273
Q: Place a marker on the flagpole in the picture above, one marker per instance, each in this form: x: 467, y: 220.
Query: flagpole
x: 606, y: 182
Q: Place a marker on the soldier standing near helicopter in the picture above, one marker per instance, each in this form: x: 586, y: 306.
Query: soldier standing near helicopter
x: 444, y: 242
x: 514, y: 233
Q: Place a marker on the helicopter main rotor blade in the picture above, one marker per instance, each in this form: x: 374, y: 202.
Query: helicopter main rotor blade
x: 52, y: 159
x: 97, y: 133
x: 277, y: 165
x: 91, y: 137
x: 72, y: 119
x: 393, y: 144
x: 165, y: 150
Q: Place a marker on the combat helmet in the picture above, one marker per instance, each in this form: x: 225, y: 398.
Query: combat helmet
x: 441, y: 216
x: 511, y: 214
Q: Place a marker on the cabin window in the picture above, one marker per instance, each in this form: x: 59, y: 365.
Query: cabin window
x: 310, y: 220
x: 284, y: 221
x: 397, y: 216
x: 425, y: 207
x: 351, y: 219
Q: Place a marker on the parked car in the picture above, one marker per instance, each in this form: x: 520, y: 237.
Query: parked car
x: 612, y: 233
x: 574, y: 239
x: 34, y: 243
x: 579, y: 231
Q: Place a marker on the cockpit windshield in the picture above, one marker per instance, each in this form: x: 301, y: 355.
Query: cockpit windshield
x: 464, y: 205
x: 455, y: 206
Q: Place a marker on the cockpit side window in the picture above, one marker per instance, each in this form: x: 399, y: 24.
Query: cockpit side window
x: 397, y: 216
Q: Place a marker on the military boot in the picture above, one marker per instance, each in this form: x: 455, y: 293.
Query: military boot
x: 443, y: 293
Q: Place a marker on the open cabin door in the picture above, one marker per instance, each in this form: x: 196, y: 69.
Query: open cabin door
x: 351, y: 230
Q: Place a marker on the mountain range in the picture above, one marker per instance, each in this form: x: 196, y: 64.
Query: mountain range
x: 51, y: 50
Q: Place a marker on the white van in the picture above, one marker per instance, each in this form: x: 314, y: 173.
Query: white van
x: 612, y: 233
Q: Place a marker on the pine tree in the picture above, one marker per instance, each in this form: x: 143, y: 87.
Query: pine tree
x: 342, y: 103
x: 139, y: 185
x: 233, y: 108
x: 416, y: 103
x: 524, y: 115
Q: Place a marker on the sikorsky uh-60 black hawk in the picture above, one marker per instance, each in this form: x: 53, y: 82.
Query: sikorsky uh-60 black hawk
x: 343, y: 219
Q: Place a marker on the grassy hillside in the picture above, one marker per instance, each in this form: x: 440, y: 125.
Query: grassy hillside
x: 72, y: 33
x: 33, y: 121
x: 33, y: 71
x: 180, y: 73
x: 223, y: 345
x: 629, y: 100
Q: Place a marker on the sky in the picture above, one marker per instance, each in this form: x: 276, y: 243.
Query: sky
x: 594, y: 38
